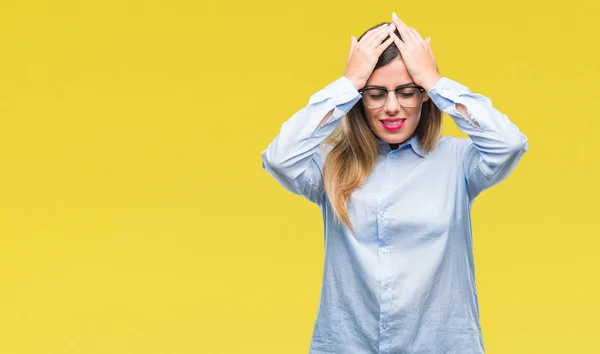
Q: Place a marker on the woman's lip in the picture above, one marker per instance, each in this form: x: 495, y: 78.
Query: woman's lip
x: 390, y: 127
x: 391, y: 120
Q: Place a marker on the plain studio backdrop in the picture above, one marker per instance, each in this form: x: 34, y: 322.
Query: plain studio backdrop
x: 135, y: 216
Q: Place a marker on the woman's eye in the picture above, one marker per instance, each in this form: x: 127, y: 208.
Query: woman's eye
x: 406, y: 92
x: 377, y: 94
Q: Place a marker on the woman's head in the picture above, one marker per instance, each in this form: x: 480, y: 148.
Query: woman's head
x: 419, y: 115
x: 357, y: 139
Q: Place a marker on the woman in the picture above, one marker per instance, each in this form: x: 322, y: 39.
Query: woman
x: 395, y: 196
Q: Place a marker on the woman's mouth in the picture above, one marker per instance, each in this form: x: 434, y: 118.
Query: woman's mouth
x: 393, y: 124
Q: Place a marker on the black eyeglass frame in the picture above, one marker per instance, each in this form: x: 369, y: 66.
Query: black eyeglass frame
x: 421, y: 90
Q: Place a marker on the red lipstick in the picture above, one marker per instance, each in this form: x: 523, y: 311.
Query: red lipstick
x: 393, y: 124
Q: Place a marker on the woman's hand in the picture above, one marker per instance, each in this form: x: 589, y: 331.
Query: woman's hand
x: 416, y: 53
x: 364, y: 55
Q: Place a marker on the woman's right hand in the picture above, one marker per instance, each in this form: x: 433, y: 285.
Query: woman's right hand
x: 364, y: 55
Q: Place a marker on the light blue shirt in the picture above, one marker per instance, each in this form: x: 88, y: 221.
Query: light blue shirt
x: 404, y: 281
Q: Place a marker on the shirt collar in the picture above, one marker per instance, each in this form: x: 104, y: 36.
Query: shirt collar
x: 413, y: 142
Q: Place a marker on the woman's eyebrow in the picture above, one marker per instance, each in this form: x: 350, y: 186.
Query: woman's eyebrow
x: 383, y: 87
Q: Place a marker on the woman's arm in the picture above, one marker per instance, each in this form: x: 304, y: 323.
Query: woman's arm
x: 292, y: 157
x: 495, y: 146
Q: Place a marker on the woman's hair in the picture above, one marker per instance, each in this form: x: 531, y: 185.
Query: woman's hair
x: 355, y: 147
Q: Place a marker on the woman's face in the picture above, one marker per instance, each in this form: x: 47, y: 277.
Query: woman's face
x: 391, y: 76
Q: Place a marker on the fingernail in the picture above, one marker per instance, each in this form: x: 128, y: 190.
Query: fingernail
x: 394, y: 15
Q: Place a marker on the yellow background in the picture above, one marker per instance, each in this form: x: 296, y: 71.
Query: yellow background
x: 135, y: 216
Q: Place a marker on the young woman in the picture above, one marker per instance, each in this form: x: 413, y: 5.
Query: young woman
x: 395, y: 196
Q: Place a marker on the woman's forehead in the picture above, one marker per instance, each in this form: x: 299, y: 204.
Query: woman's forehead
x: 391, y: 75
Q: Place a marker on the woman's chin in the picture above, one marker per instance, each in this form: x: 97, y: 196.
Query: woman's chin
x: 394, y: 138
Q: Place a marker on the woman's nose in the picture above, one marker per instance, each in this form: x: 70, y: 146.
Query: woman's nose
x: 392, y: 105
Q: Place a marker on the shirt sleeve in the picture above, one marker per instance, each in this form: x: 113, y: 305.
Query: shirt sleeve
x: 293, y: 157
x: 493, y: 149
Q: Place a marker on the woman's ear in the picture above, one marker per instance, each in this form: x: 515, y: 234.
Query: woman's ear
x: 425, y: 96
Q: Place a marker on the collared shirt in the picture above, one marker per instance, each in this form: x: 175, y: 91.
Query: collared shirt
x: 404, y: 280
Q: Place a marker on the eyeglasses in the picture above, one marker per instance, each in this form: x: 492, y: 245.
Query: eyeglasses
x: 408, y: 96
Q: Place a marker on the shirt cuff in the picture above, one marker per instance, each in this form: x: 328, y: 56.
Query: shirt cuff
x: 341, y: 91
x: 446, y: 92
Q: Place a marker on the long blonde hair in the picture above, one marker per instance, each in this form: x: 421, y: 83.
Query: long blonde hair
x: 355, y: 146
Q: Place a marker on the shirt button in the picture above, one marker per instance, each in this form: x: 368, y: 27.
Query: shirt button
x: 385, y: 250
x: 381, y: 213
x: 386, y: 286
x: 384, y: 326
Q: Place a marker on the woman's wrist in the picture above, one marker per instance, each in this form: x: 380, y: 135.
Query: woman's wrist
x: 355, y: 82
x: 431, y: 80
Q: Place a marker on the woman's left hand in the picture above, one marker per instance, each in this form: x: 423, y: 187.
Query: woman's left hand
x: 416, y: 54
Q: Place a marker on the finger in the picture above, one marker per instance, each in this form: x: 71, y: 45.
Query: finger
x: 407, y: 33
x: 367, y: 36
x: 428, y: 45
x: 402, y: 28
x: 352, y: 45
x: 392, y: 28
x: 416, y: 34
x: 351, y: 48
x: 431, y: 52
x: 399, y: 43
x: 376, y: 36
x: 411, y: 33
x: 384, y: 45
x: 380, y: 37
